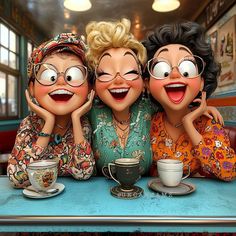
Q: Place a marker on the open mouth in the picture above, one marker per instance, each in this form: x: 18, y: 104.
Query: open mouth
x: 119, y: 94
x: 175, y: 92
x: 61, y: 95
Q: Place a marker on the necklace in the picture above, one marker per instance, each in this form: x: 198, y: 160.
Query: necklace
x: 62, y: 127
x: 116, y: 125
x: 179, y: 124
x: 122, y: 122
x: 123, y: 138
x: 122, y: 132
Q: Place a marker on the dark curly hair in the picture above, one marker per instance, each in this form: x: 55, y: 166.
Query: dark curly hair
x: 191, y: 35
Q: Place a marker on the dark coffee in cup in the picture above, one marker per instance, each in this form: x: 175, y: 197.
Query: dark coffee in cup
x: 125, y: 171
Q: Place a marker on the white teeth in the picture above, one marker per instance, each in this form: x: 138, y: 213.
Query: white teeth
x: 174, y: 85
x: 119, y: 90
x: 61, y: 91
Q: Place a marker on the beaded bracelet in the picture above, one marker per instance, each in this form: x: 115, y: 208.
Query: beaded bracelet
x: 42, y: 134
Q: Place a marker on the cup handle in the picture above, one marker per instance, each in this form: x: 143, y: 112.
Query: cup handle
x: 104, y: 172
x: 186, y: 176
x: 109, y: 169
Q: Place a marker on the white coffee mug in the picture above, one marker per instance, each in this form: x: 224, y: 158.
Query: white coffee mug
x: 171, y: 172
x: 42, y: 174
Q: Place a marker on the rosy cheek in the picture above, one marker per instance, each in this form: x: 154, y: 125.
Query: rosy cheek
x: 81, y: 91
x: 101, y: 86
x: 41, y: 91
x: 136, y: 84
x: 194, y: 85
x: 155, y: 86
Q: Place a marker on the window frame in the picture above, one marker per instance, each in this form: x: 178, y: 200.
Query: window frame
x: 10, y: 71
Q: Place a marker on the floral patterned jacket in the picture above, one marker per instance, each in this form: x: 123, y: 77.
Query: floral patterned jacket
x: 213, y: 157
x: 74, y: 159
x: 105, y: 142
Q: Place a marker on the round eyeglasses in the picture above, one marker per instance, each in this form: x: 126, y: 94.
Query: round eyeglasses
x: 47, y: 74
x: 189, y: 67
x: 129, y: 75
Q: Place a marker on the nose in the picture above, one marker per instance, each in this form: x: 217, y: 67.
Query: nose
x: 118, y: 79
x: 175, y: 73
x: 61, y: 79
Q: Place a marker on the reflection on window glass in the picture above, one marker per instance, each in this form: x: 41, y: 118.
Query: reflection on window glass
x: 4, y: 35
x: 9, y: 73
x: 12, y: 41
x: 12, y: 62
x: 29, y: 48
x: 4, y: 56
x: 12, y: 95
x: 2, y: 94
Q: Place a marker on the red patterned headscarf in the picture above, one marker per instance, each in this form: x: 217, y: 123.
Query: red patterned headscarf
x: 63, y: 42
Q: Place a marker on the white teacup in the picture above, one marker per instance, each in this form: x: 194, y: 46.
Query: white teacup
x: 42, y: 174
x: 171, y: 172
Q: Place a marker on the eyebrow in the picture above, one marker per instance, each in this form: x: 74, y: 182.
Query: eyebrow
x: 163, y: 50
x: 126, y: 53
x: 185, y: 49
x: 105, y: 54
x: 129, y: 53
x: 180, y: 48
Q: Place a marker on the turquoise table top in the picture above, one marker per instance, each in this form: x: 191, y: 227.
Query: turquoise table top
x: 87, y: 206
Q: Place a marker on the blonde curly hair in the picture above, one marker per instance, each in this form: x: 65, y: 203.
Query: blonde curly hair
x: 105, y: 35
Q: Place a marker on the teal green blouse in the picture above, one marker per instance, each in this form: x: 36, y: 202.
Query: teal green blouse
x: 105, y: 142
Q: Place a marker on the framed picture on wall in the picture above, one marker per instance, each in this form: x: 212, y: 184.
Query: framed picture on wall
x: 213, y: 38
x: 226, y: 54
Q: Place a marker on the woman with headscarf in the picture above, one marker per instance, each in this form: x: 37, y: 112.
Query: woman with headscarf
x: 56, y: 128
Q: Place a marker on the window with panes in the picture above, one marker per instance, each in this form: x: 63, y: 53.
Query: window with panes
x: 9, y: 73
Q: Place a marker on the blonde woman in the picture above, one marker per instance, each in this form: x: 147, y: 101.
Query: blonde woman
x: 120, y: 116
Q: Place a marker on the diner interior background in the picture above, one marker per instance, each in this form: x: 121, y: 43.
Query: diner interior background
x: 53, y: 18
x: 26, y: 24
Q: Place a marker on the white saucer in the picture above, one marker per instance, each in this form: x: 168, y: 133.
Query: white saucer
x: 31, y: 194
x: 183, y: 188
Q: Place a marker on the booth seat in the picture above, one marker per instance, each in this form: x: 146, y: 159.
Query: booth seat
x: 231, y: 131
x: 7, y: 140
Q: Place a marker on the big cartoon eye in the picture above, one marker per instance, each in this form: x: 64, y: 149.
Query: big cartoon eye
x: 48, y: 76
x: 160, y: 70
x: 75, y: 76
x: 188, y: 69
x: 103, y: 75
x: 131, y: 75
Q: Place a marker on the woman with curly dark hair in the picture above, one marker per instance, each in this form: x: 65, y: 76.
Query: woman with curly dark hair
x: 182, y: 74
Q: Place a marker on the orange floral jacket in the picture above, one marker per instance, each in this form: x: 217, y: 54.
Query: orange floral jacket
x: 212, y: 157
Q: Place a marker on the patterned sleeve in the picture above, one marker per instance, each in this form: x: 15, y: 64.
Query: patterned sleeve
x: 24, y: 151
x: 216, y: 156
x: 81, y: 164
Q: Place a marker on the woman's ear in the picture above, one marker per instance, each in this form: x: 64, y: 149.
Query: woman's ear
x: 31, y: 89
x: 202, y: 84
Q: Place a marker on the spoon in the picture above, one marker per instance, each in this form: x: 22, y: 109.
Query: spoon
x: 48, y: 191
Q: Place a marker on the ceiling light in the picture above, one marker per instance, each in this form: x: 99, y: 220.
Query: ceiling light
x: 77, y: 5
x: 165, y: 5
x: 66, y: 15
